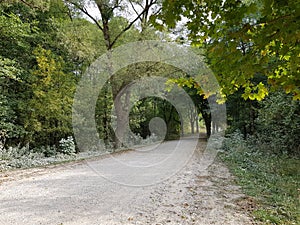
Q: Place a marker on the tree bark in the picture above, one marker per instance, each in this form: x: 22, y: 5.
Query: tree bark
x: 122, y: 113
x: 197, y: 122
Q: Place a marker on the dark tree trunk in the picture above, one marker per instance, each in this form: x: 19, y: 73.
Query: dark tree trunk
x: 197, y: 123
x: 207, y: 121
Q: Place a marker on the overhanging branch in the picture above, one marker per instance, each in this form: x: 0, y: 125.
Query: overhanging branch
x: 145, y: 10
x: 84, y: 10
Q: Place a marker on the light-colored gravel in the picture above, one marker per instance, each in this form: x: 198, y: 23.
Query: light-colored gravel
x: 75, y: 193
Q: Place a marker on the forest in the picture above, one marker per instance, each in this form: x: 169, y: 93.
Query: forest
x: 251, y: 46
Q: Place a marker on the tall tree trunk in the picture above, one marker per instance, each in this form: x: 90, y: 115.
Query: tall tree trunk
x: 122, y: 110
x: 181, y: 125
x: 106, y: 118
x: 192, y: 126
x: 197, y: 122
x: 207, y: 121
x: 121, y: 122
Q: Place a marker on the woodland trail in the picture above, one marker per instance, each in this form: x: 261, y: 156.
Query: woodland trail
x: 75, y: 193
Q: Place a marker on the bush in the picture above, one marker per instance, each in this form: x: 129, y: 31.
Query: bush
x: 13, y: 153
x: 67, y: 146
x: 234, y: 140
x: 137, y: 139
x: 278, y: 124
x: 15, y: 157
x: 47, y: 151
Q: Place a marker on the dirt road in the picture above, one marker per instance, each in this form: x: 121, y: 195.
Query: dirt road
x: 101, y: 192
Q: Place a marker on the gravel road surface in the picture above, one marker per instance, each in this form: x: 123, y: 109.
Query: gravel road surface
x: 121, y: 189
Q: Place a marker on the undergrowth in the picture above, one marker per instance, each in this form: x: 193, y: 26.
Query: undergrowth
x: 25, y: 157
x: 273, y: 180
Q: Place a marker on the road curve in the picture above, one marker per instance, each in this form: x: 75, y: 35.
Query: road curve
x: 104, y: 191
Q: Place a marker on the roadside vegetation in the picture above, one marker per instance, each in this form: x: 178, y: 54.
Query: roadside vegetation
x: 272, y: 180
x: 267, y: 163
x: 24, y: 157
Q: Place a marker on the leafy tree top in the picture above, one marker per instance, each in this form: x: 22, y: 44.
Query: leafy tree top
x: 252, y: 44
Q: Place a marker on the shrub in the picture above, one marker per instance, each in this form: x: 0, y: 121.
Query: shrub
x: 47, y: 151
x: 279, y: 124
x: 67, y: 146
x: 13, y: 153
x: 16, y: 157
x: 234, y: 140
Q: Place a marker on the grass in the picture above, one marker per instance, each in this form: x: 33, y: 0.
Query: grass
x: 272, y: 180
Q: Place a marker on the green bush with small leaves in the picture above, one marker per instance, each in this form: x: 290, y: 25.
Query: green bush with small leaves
x: 67, y: 146
x: 278, y: 124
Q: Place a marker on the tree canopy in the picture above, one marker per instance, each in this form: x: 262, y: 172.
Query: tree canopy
x: 251, y: 44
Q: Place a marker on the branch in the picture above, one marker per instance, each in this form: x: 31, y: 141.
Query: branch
x: 133, y: 22
x: 261, y: 22
x: 69, y: 13
x: 278, y: 18
x: 140, y: 4
x: 84, y: 10
x: 28, y: 4
x: 134, y: 8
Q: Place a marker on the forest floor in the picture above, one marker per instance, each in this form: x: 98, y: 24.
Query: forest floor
x: 74, y: 193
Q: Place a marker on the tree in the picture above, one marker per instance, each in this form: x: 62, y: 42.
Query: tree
x: 50, y: 107
x: 278, y: 123
x: 14, y: 62
x: 25, y: 25
x: 245, y: 39
x: 199, y: 98
x: 242, y: 114
x: 151, y: 106
x: 108, y: 11
x: 9, y: 76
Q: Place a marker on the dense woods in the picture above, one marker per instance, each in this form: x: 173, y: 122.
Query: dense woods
x: 46, y: 46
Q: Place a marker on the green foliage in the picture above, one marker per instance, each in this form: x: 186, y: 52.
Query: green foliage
x: 83, y: 42
x: 50, y: 107
x: 15, y: 157
x: 272, y: 180
x: 9, y: 75
x: 244, y: 40
x: 24, y: 157
x: 25, y: 26
x: 148, y: 108
x: 278, y: 124
x: 47, y: 151
x: 200, y: 99
x: 67, y: 146
x: 140, y: 115
x: 274, y: 121
x: 235, y: 141
x: 241, y: 114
